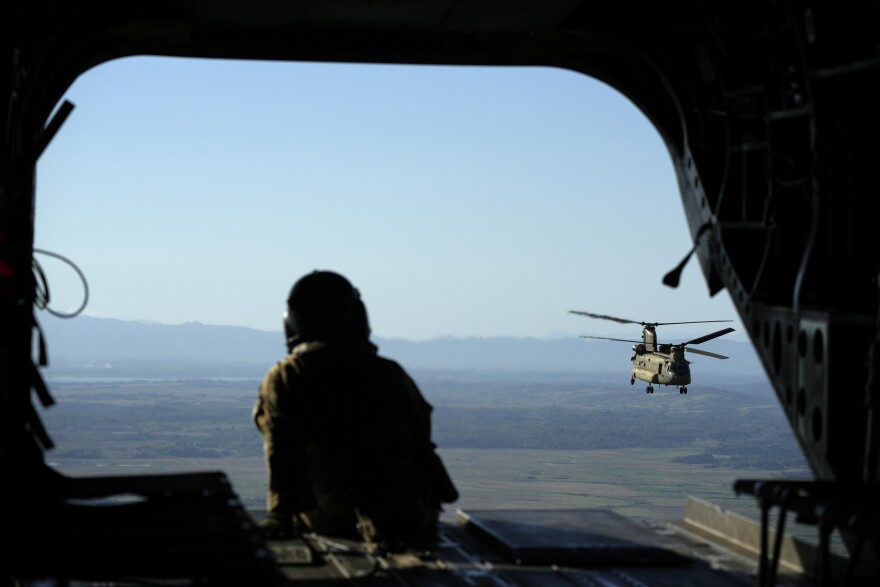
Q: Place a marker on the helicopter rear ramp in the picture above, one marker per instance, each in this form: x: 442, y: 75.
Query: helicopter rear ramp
x: 177, y: 530
x: 526, y: 548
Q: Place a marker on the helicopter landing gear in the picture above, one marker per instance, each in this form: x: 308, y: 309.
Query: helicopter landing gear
x: 683, y: 390
x: 632, y: 380
x: 649, y: 389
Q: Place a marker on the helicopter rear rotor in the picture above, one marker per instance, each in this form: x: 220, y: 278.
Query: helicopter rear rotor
x: 645, y: 324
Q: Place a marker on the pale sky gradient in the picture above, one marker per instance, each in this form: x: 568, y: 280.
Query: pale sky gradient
x: 460, y: 201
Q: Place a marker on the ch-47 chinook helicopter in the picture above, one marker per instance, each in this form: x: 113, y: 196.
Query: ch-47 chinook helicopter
x: 657, y: 362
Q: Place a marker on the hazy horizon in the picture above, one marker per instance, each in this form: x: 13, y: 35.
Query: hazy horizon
x: 102, y: 347
x: 634, y: 332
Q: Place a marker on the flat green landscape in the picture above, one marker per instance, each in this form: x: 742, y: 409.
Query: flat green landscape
x: 507, y: 445
x: 640, y: 483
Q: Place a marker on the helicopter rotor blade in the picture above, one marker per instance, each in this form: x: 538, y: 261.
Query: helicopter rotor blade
x: 703, y: 339
x: 606, y: 338
x: 691, y: 322
x: 627, y: 321
x: 604, y: 317
x: 705, y: 353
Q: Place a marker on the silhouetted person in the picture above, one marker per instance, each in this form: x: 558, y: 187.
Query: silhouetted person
x: 346, y: 433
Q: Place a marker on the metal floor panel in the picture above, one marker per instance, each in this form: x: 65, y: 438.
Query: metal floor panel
x: 572, y: 537
x: 635, y: 555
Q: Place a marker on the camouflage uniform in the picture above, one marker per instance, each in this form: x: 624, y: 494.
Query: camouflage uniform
x: 347, y: 439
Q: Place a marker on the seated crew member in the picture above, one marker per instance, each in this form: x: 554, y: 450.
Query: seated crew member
x: 346, y: 433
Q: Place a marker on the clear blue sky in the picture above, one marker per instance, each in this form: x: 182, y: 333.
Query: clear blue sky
x: 460, y: 201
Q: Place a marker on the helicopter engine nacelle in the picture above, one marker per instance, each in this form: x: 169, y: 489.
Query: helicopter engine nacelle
x: 638, y: 349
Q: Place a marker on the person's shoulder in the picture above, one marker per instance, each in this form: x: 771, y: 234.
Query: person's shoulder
x: 292, y: 363
x: 276, y: 370
x: 389, y: 366
x: 386, y: 362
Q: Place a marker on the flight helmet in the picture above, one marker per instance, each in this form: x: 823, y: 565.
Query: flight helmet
x: 324, y: 306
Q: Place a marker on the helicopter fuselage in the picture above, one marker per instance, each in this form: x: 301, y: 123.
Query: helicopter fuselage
x: 663, y: 364
x: 661, y: 368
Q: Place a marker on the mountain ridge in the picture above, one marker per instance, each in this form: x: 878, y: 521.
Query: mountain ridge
x: 109, y: 347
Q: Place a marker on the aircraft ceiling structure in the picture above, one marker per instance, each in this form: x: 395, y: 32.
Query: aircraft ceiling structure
x: 768, y: 109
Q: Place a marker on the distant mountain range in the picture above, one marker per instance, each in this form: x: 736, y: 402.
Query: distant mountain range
x: 105, y: 347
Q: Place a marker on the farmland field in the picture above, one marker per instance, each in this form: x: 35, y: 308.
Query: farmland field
x: 506, y: 447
